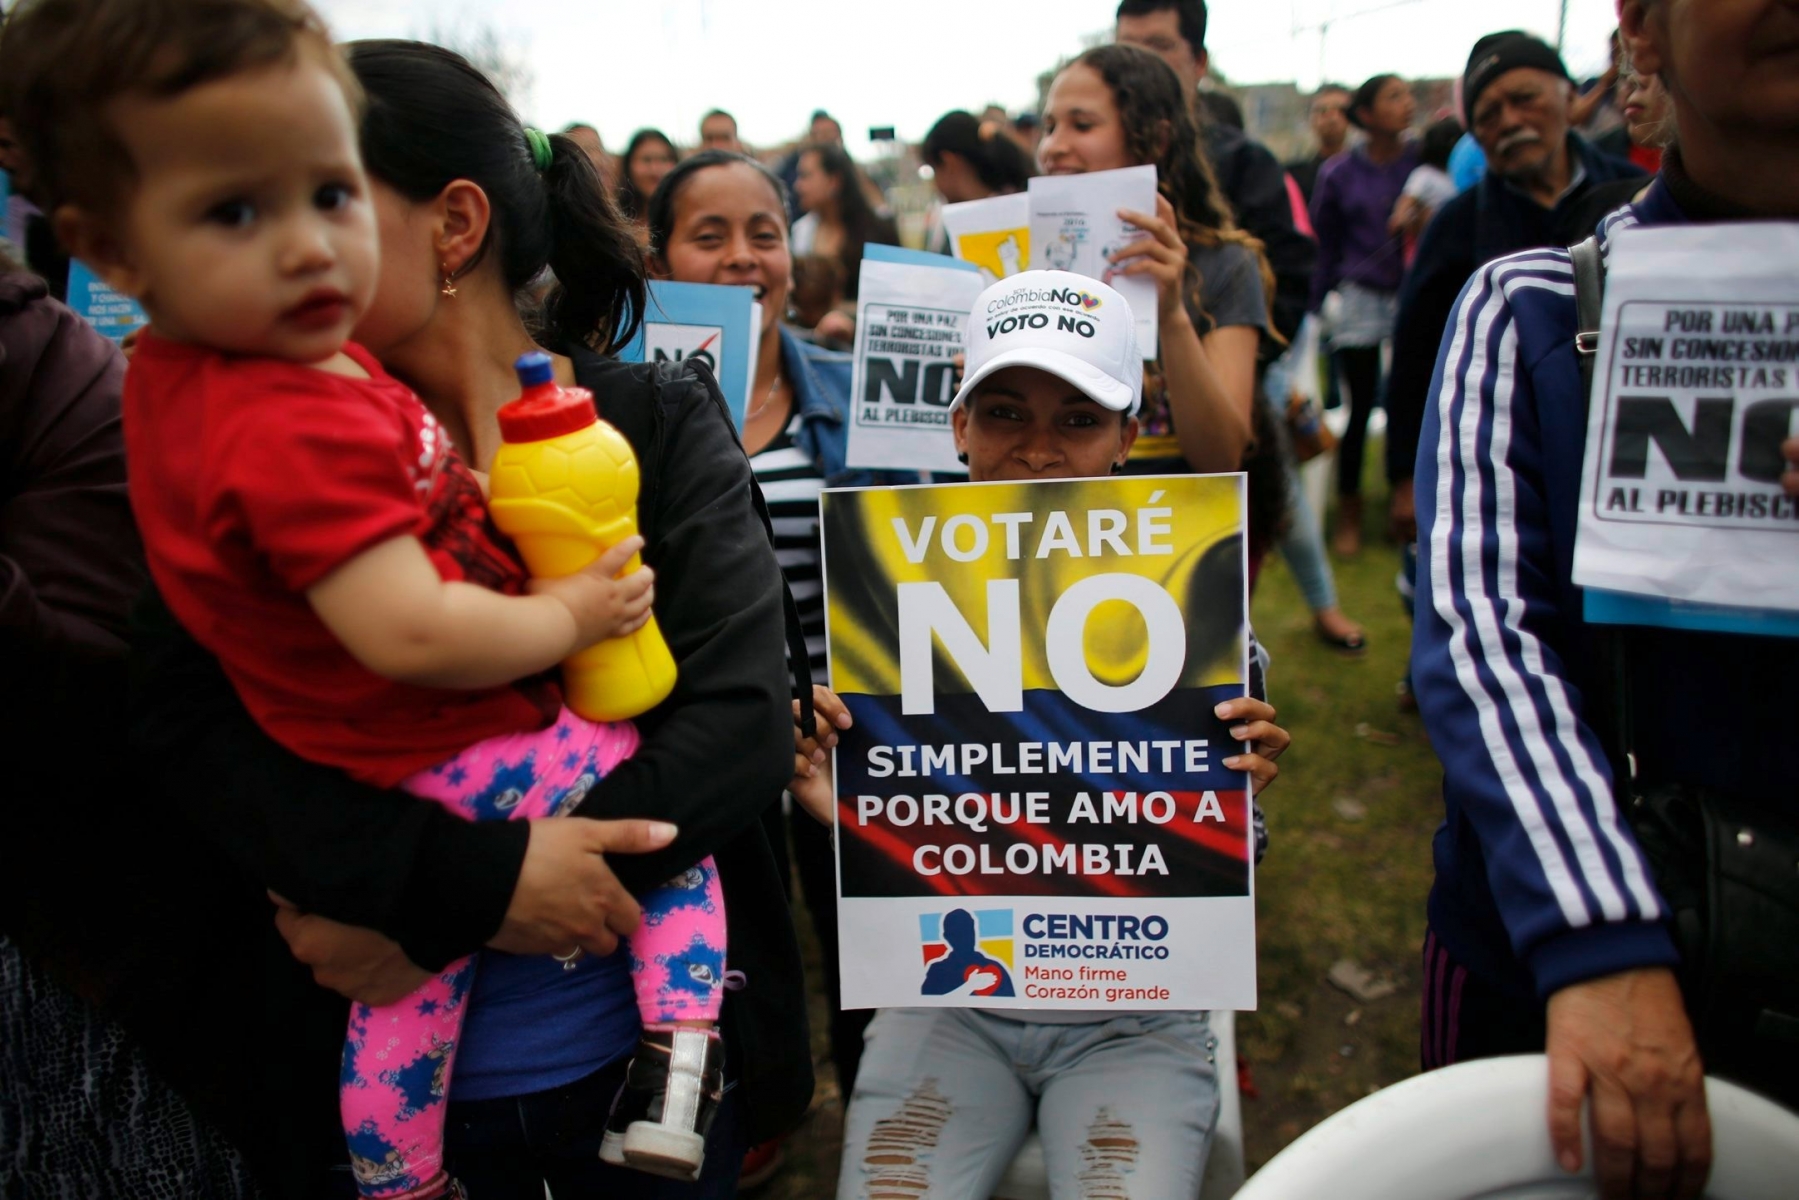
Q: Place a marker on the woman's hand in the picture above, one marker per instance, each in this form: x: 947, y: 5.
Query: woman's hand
x: 566, y: 896
x: 1790, y: 480
x: 812, y: 784
x: 1253, y: 721
x: 1161, y: 255
x: 354, y: 962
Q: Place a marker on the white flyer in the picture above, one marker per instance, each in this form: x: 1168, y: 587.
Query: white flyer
x: 911, y: 322
x: 1694, y: 390
x: 993, y: 234
x: 1075, y: 226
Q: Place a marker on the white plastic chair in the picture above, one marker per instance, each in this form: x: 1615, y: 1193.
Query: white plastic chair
x: 1478, y: 1130
x: 1027, y: 1178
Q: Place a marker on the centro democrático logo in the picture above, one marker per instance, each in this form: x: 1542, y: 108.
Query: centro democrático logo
x: 967, y: 953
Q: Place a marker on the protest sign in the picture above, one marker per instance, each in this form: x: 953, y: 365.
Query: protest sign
x: 916, y: 258
x: 1695, y: 388
x: 1075, y: 226
x: 911, y: 321
x: 720, y: 326
x: 1031, y: 806
x: 993, y: 234
x: 112, y: 313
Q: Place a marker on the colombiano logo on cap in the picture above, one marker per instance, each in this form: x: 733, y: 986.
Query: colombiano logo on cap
x: 1076, y: 328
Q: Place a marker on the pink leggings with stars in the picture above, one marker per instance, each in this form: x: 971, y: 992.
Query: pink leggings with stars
x: 398, y: 1058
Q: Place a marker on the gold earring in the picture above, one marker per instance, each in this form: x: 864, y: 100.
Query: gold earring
x: 449, y: 287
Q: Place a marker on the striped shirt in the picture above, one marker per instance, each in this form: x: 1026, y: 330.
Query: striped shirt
x: 790, y: 483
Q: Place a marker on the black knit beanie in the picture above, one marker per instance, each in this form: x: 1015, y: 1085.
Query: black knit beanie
x: 1498, y: 53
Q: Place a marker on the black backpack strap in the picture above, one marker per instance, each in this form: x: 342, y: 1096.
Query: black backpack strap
x: 799, y: 661
x: 1609, y: 713
x: 1589, y: 304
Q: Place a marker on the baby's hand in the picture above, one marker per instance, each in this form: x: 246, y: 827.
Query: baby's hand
x: 603, y: 605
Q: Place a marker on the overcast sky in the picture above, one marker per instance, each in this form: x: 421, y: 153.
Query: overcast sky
x: 622, y: 64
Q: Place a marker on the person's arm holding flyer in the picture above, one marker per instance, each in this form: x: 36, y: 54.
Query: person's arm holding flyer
x: 1211, y: 380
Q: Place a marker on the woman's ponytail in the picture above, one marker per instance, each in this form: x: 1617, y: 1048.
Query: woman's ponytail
x: 432, y: 118
x: 600, y: 295
x: 1000, y: 163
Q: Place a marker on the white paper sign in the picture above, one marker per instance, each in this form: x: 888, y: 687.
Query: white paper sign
x: 1075, y: 226
x: 1695, y: 387
x: 911, y: 322
x: 993, y: 234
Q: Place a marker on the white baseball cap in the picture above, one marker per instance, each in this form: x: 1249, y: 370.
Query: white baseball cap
x: 1076, y: 328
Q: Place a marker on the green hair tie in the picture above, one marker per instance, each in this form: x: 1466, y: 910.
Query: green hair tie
x: 539, y: 142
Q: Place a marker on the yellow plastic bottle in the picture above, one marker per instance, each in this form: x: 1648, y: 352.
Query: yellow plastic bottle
x: 564, y: 489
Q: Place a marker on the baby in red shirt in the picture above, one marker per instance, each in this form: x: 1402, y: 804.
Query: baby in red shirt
x: 307, y: 520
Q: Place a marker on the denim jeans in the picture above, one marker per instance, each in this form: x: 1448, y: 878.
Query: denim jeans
x: 945, y: 1097
x: 1302, y: 545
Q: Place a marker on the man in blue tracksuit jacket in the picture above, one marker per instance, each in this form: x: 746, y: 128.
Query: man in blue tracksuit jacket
x: 1546, y: 930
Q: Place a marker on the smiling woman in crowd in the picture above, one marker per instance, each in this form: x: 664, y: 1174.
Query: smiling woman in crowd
x: 721, y: 218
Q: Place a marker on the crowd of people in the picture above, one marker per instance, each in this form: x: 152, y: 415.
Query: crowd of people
x: 292, y: 765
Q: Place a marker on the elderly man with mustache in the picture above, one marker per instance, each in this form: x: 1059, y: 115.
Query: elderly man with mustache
x: 1515, y: 98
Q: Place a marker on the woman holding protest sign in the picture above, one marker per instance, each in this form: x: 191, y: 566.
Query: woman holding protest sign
x: 1682, y: 971
x: 720, y: 218
x: 1118, y: 1095
x: 1118, y: 106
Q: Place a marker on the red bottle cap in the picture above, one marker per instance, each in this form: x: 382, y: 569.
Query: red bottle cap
x: 546, y: 412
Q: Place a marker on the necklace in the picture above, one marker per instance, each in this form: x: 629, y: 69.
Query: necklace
x: 773, y: 386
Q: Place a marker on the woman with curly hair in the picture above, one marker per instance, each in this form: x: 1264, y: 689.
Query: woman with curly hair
x: 1120, y: 106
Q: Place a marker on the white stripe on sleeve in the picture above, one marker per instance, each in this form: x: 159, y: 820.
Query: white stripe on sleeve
x: 1459, y: 446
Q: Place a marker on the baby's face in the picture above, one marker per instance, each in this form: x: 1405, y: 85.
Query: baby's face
x: 250, y: 228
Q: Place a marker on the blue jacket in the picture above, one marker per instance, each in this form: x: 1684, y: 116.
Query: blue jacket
x: 821, y: 393
x: 1539, y: 882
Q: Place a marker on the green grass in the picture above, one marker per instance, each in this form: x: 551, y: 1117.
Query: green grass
x: 1333, y: 888
x: 1330, y: 888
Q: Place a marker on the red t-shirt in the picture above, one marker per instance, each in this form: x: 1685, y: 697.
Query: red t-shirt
x: 253, y: 479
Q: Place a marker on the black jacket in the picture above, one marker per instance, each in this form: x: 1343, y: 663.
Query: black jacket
x: 1256, y: 186
x: 1488, y: 221
x: 70, y: 566
x: 714, y: 758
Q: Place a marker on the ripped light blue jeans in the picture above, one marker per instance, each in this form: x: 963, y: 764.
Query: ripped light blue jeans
x: 945, y: 1097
